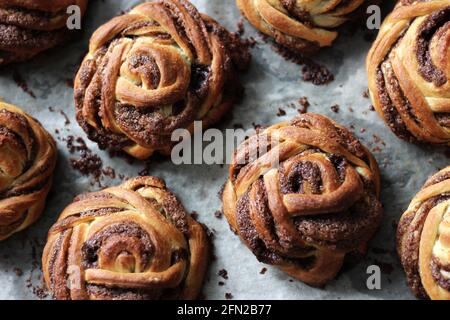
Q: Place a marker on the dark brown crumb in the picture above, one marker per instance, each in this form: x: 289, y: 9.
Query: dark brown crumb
x: 281, y: 112
x: 223, y: 273
x: 109, y: 172
x: 256, y: 126
x: 18, y: 272
x: 365, y: 94
x: 362, y: 130
x: 228, y: 296
x: 67, y: 121
x: 221, y: 283
x: 311, y: 70
x: 350, y: 109
x: 335, y: 108
x: 194, y: 215
x: 263, y: 271
x: 218, y: 214
x: 304, y: 103
x: 317, y: 74
x: 378, y: 140
x: 371, y: 108
x: 88, y: 163
x: 22, y: 84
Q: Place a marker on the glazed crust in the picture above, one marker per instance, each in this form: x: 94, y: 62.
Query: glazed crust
x: 423, y: 239
x: 318, y: 205
x: 153, y: 70
x: 134, y: 241
x: 27, y: 161
x: 300, y: 25
x: 28, y: 27
x: 409, y: 68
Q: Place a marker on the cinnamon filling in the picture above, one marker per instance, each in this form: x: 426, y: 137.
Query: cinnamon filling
x: 429, y: 27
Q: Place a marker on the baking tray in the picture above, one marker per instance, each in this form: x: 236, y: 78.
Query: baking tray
x: 273, y: 87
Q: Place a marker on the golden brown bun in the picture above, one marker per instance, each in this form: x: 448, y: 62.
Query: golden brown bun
x: 153, y: 70
x: 29, y: 27
x: 27, y: 161
x: 423, y: 239
x: 133, y: 241
x: 319, y: 205
x: 300, y: 25
x: 409, y: 68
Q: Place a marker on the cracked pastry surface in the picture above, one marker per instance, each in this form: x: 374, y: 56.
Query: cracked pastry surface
x: 409, y: 68
x: 134, y: 241
x: 303, y: 195
x: 423, y: 239
x: 156, y: 69
x: 302, y: 26
x: 27, y: 161
x: 28, y: 27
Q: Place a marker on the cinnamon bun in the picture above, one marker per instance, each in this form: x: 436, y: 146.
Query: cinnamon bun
x: 27, y: 161
x: 302, y: 26
x: 158, y: 68
x: 134, y: 241
x: 409, y: 69
x: 303, y: 195
x: 423, y: 239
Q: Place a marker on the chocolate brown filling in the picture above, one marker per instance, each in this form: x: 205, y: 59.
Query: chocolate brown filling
x: 426, y: 31
x: 298, y: 13
x: 436, y: 268
x: 28, y: 18
x: 390, y: 113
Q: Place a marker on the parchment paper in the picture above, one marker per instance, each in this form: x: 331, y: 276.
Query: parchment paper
x: 271, y: 83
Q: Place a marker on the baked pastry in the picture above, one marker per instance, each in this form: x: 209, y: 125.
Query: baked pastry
x: 409, y: 69
x: 303, y: 196
x: 28, y: 27
x: 153, y: 70
x: 134, y: 241
x: 423, y: 239
x: 27, y: 161
x: 303, y: 26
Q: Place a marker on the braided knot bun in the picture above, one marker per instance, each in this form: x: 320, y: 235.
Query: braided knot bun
x: 28, y: 27
x: 134, y: 241
x: 409, y: 70
x: 303, y: 26
x: 27, y: 162
x: 423, y: 239
x: 313, y: 209
x: 153, y: 70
